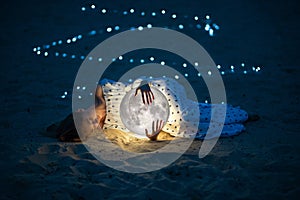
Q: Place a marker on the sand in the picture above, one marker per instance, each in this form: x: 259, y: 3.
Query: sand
x: 260, y: 163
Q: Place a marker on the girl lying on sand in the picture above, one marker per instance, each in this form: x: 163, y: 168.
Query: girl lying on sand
x: 106, y: 114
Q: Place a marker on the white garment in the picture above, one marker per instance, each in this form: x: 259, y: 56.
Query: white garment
x: 183, y: 118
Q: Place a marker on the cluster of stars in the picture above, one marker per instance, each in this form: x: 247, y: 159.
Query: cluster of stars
x: 195, y: 22
x: 222, y: 70
x: 206, y: 22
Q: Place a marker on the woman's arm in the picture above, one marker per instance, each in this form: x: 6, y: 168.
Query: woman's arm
x: 100, y: 105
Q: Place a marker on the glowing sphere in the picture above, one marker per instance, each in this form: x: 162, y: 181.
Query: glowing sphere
x: 136, y: 116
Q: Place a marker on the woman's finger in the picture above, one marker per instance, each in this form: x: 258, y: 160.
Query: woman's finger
x: 152, y: 126
x: 152, y: 95
x: 143, y: 97
x: 136, y: 91
x: 161, y: 124
x: 147, y: 96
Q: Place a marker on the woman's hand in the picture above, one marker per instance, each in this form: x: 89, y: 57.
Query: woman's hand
x: 101, y: 114
x: 155, y: 130
x: 147, y: 95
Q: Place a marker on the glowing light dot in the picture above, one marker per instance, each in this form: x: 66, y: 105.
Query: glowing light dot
x: 79, y: 37
x: 142, y: 13
x: 153, y: 14
x: 103, y: 11
x: 38, y: 52
x: 142, y: 60
x: 66, y: 93
x: 151, y: 58
x: 243, y: 64
x: 100, y: 59
x: 163, y: 12
x: 196, y: 64
x: 222, y: 72
x: 206, y: 101
x: 131, y: 60
x: 196, y: 18
x: 125, y: 13
x: 176, y: 77
x: 222, y: 102
x: 162, y: 63
x: 149, y: 25
x: 180, y: 26
x: 81, y: 57
x: 117, y: 28
x: 199, y: 74
x: 83, y: 9
x: 114, y: 59
x: 93, y: 32
x: 109, y: 29
x: 46, y: 53
x: 59, y: 41
x: 120, y: 57
x: 131, y: 10
x: 245, y: 72
x: 68, y: 41
x: 78, y: 87
x: 186, y: 75
x: 83, y: 88
x: 253, y: 68
x: 219, y: 66
x: 56, y: 54
x: 207, y: 27
x: 38, y: 48
x: 216, y: 26
x: 258, y: 68
x: 174, y: 16
x: 140, y: 28
x: 93, y: 6
x: 184, y: 65
x: 73, y: 56
x: 62, y: 96
x: 209, y: 73
x: 207, y: 17
x: 79, y: 97
x: 34, y: 49
x: 91, y: 94
x: 231, y: 67
x: 211, y: 32
x: 74, y: 39
x: 130, y: 80
x: 150, y: 77
x: 198, y: 26
x: 53, y: 43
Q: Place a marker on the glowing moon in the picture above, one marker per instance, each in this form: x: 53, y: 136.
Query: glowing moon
x: 136, y: 116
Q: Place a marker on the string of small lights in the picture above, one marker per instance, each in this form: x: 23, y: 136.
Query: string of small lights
x: 204, y: 23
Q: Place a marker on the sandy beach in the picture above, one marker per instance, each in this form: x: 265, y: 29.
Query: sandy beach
x: 260, y: 163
